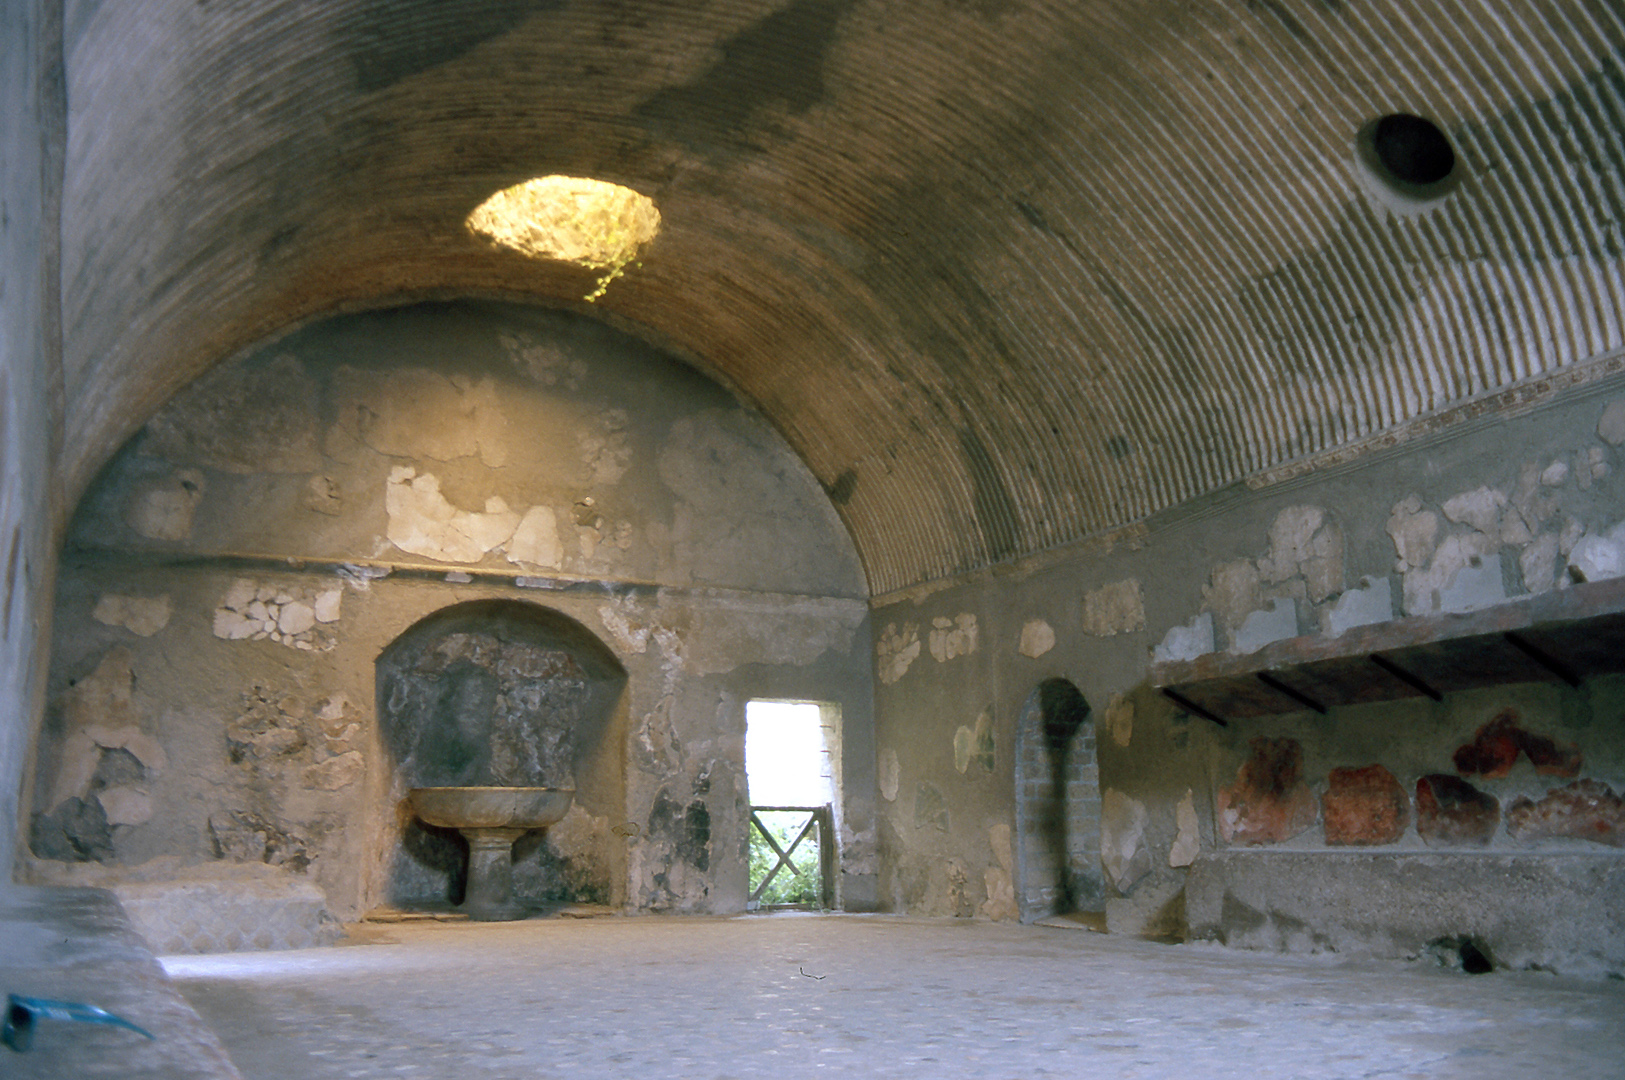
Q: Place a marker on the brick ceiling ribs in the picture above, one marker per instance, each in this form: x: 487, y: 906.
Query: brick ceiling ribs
x: 1005, y: 273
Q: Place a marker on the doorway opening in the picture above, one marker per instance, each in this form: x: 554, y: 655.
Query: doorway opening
x: 1057, y: 804
x: 792, y: 770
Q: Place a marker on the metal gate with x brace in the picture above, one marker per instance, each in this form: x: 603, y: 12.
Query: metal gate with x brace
x: 819, y: 821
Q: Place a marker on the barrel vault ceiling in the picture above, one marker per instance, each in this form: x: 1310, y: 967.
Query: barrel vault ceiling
x: 1006, y: 273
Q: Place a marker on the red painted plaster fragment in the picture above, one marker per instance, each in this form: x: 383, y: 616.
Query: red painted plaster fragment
x: 1494, y: 750
x: 1364, y: 806
x: 1269, y: 802
x: 1583, y: 810
x: 1450, y: 811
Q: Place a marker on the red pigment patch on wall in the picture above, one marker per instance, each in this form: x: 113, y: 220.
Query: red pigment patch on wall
x: 1584, y: 810
x: 1364, y: 806
x: 1449, y: 811
x: 1269, y: 802
x: 1494, y: 750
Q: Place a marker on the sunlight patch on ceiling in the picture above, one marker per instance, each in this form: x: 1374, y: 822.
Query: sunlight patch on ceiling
x: 591, y: 223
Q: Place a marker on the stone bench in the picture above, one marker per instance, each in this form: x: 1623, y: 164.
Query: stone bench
x: 76, y: 944
x: 1561, y: 912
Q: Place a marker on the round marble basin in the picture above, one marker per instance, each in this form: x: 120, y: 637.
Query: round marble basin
x: 491, y: 807
x: 491, y: 819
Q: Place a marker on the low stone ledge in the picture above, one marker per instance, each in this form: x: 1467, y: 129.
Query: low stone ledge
x: 76, y: 944
x: 1560, y: 912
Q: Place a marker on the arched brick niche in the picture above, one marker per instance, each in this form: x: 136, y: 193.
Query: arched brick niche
x: 500, y: 693
x: 1057, y: 803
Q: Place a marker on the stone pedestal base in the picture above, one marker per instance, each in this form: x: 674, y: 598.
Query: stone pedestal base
x: 489, y: 897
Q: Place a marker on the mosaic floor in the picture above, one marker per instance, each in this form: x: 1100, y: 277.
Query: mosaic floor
x: 788, y: 996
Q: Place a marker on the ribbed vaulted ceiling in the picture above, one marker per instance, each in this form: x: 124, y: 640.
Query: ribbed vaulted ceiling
x: 1004, y: 273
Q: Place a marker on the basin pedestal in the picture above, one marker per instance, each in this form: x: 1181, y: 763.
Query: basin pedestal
x: 489, y: 896
x: 491, y: 819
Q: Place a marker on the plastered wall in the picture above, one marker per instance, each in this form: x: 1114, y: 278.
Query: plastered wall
x: 30, y: 374
x: 233, y: 575
x: 1480, y: 515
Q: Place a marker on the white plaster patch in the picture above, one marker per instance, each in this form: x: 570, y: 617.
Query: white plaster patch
x: 1186, y: 642
x: 295, y: 617
x: 1597, y: 459
x: 1556, y: 474
x: 1514, y: 529
x: 606, y: 449
x: 336, y: 772
x: 327, y: 604
x: 546, y: 363
x: 1119, y: 719
x: 975, y: 745
x: 1122, y: 827
x: 1481, y: 508
x: 1037, y: 638
x: 1188, y: 836
x: 953, y: 637
x: 423, y: 522
x: 1599, y: 557
x: 1117, y: 608
x: 1305, y: 542
x: 1276, y: 621
x: 125, y: 805
x: 1426, y: 588
x: 1233, y: 589
x: 250, y: 611
x: 1538, y: 564
x: 1611, y: 428
x: 1000, y: 879
x: 535, y: 542
x: 161, y: 509
x: 896, y: 650
x: 1414, y: 531
x: 891, y: 774
x: 143, y: 616
x: 1369, y: 603
x: 630, y: 634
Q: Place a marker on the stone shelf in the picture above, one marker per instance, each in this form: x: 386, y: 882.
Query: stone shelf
x: 1567, y: 635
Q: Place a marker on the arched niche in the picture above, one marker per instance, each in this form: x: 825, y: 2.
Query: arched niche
x: 1057, y: 803
x: 503, y: 693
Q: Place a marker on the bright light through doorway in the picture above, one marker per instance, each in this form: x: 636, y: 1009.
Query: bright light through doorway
x: 787, y: 760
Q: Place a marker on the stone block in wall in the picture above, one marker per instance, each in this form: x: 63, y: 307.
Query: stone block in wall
x: 1562, y: 913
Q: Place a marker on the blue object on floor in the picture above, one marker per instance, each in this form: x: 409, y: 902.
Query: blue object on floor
x: 22, y: 1012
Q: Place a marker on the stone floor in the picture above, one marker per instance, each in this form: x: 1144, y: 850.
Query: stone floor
x: 787, y: 996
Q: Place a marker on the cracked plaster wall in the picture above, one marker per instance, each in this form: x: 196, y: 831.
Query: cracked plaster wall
x: 1529, y: 496
x: 233, y: 574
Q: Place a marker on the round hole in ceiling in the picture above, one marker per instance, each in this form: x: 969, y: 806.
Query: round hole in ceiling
x: 1407, y: 161
x: 1412, y: 149
x: 591, y: 223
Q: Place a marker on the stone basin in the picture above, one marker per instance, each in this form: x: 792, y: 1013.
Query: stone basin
x: 491, y: 807
x: 491, y: 818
